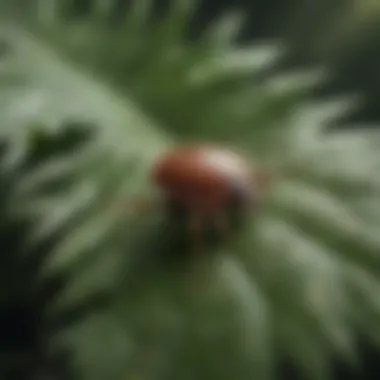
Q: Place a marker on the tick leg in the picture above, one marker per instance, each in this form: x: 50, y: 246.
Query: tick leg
x: 223, y: 228
x: 195, y: 228
x: 198, y: 275
x: 264, y: 180
x: 137, y: 205
x: 142, y: 204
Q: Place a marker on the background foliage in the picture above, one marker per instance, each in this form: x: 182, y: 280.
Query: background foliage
x: 89, y: 95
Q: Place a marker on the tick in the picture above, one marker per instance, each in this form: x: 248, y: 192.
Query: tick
x: 206, y: 181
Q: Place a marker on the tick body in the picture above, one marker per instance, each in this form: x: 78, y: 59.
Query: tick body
x: 203, y: 178
x: 206, y: 182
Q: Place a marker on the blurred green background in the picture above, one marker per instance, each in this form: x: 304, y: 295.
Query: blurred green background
x: 91, y: 92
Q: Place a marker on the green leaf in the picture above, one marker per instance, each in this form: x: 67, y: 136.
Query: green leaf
x: 301, y: 279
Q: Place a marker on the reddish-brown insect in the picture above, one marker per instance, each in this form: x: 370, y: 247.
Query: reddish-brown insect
x: 206, y: 181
